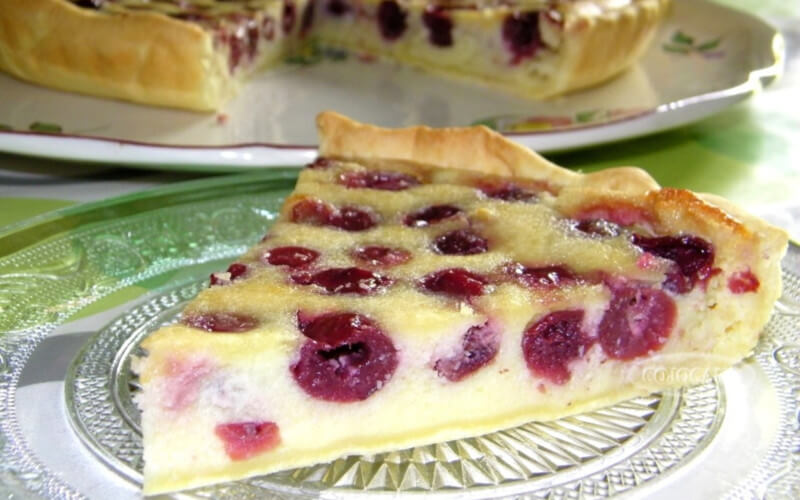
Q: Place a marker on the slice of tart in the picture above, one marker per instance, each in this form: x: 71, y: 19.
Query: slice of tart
x: 424, y: 285
x: 195, y: 53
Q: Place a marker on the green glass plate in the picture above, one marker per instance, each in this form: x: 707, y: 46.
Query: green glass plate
x: 79, y: 288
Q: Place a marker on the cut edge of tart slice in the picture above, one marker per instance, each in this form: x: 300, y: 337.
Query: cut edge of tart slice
x: 409, y: 295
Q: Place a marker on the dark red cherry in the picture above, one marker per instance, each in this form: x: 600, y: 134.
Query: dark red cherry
x: 244, y: 440
x: 521, y: 35
x: 307, y: 19
x: 743, y: 282
x: 334, y: 329
x: 289, y: 14
x: 455, y: 282
x: 382, y: 256
x: 548, y: 277
x: 478, y: 347
x: 431, y: 215
x: 292, y: 257
x: 391, y: 19
x: 440, y: 26
x: 598, y: 227
x: 508, y: 192
x: 347, y: 358
x: 315, y: 212
x: 354, y: 219
x: 637, y: 321
x: 338, y: 8
x: 693, y: 258
x: 235, y: 271
x: 220, y: 322
x: 387, y: 181
x: 345, y: 280
x: 460, y: 242
x: 552, y: 343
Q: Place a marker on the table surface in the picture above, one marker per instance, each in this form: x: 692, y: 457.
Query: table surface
x: 749, y: 153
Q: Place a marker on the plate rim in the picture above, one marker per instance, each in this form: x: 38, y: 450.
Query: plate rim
x: 254, y: 155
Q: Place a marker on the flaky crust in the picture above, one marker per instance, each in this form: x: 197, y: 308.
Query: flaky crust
x: 142, y: 57
x: 598, y: 46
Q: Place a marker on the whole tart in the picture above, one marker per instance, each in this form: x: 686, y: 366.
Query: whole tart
x: 194, y: 54
x: 423, y: 285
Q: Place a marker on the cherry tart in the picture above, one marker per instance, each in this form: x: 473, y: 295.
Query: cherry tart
x: 424, y: 285
x: 195, y: 53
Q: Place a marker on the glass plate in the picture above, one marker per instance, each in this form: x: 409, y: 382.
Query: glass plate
x: 80, y: 287
x: 705, y: 58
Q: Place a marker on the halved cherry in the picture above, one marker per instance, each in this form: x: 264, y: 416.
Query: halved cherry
x: 479, y: 347
x: 455, y: 282
x: 347, y: 357
x: 431, y: 215
x: 693, y: 258
x: 293, y: 257
x: 386, y: 181
x: 553, y: 342
x: 245, y: 440
x: 220, y: 322
x: 460, y: 242
x: 381, y: 256
x: 339, y: 280
x: 638, y: 321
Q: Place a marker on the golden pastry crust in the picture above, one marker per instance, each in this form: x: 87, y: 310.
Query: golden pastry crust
x: 597, y: 47
x: 150, y: 58
x: 142, y: 57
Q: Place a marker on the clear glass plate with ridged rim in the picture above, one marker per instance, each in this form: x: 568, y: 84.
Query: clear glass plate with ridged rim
x: 704, y: 58
x: 80, y: 287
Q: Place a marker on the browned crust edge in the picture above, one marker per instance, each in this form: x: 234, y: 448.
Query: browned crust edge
x: 597, y: 47
x: 483, y: 150
x: 142, y: 57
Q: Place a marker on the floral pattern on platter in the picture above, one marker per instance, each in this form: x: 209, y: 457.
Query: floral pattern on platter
x: 546, y: 123
x: 687, y: 45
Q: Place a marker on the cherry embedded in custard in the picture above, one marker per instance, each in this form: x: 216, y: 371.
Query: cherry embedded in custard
x: 347, y: 358
x: 243, y: 440
x: 478, y: 347
x: 545, y: 277
x: 508, y: 192
x: 598, y: 227
x: 455, y: 282
x: 318, y: 213
x: 693, y: 258
x: 338, y: 8
x: 293, y: 257
x: 354, y: 219
x: 386, y: 181
x: 460, y: 242
x: 431, y: 215
x: 743, y: 282
x: 289, y: 14
x: 553, y: 342
x: 314, y: 212
x: 380, y: 256
x: 345, y: 280
x: 638, y: 320
x: 391, y: 20
x: 307, y: 19
x: 220, y: 322
x: 521, y: 35
x: 235, y: 271
x: 440, y: 26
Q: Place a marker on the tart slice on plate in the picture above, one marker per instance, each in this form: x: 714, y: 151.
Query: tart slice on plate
x: 424, y: 285
x: 194, y: 54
